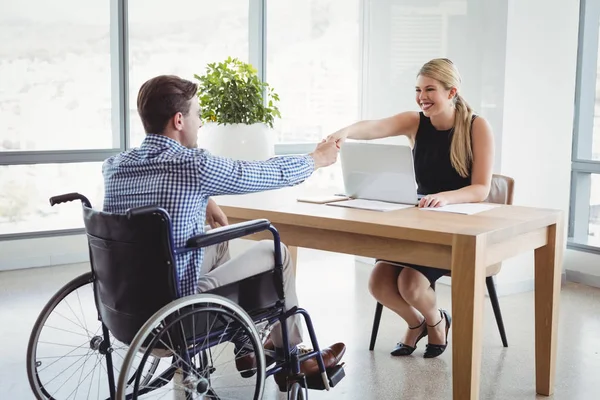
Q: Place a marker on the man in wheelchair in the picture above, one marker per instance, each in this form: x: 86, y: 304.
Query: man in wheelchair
x: 169, y: 171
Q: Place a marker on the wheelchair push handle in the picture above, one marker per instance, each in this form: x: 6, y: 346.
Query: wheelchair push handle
x: 65, y: 198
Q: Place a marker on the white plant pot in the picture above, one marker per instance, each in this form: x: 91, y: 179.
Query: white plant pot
x: 238, y: 141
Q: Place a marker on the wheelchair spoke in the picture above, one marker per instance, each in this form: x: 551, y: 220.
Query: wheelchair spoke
x: 61, y: 357
x: 64, y: 345
x: 77, y: 388
x: 223, y: 347
x: 176, y: 355
x: 74, y: 323
x: 228, y: 363
x: 207, y: 333
x: 79, y: 382
x: 81, y: 308
x: 92, y: 380
x: 98, y: 395
x: 217, y: 376
x: 70, y: 376
x: 221, y: 338
x: 64, y: 330
x: 122, y: 359
x: 81, y: 324
x: 58, y: 358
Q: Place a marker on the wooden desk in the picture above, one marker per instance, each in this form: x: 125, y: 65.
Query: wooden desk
x: 465, y: 244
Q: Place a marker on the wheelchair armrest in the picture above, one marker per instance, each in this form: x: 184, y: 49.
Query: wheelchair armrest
x: 226, y: 233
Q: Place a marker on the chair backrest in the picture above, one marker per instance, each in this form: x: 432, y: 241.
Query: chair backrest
x: 132, y: 263
x: 501, y: 192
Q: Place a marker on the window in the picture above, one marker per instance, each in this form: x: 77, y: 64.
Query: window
x: 182, y: 42
x: 59, y: 109
x: 594, y: 217
x: 55, y: 76
x: 584, y: 223
x: 313, y: 64
x: 76, y: 66
x: 313, y: 54
x: 25, y: 190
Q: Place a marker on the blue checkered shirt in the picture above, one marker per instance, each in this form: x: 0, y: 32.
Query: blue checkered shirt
x: 162, y: 172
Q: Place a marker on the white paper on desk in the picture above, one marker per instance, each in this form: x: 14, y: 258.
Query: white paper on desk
x: 370, y: 205
x: 463, y: 208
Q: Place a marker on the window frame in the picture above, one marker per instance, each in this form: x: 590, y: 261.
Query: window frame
x: 119, y: 55
x: 582, y: 165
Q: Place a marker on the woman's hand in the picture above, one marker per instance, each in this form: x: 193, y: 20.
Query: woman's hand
x: 433, y: 200
x: 338, y: 137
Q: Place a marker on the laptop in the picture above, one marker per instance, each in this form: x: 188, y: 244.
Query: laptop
x: 380, y: 172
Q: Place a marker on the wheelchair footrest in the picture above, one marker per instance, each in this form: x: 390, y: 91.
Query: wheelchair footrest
x: 335, y: 374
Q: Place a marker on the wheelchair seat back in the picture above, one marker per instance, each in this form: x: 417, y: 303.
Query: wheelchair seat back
x: 132, y: 263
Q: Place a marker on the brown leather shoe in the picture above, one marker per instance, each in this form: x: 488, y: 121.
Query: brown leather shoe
x: 246, y: 364
x: 331, y: 357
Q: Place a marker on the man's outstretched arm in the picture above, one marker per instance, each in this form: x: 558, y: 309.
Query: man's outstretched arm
x: 222, y: 176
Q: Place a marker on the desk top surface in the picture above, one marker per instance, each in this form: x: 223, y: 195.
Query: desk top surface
x: 281, y: 207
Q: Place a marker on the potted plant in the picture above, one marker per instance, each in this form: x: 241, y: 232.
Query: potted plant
x: 238, y: 120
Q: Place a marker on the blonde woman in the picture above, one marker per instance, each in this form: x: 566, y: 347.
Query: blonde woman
x: 453, y: 153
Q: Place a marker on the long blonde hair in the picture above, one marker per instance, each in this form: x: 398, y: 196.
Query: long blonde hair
x: 461, y: 152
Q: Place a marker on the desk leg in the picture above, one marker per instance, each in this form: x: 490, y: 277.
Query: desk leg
x: 294, y: 254
x: 468, y: 276
x: 548, y: 266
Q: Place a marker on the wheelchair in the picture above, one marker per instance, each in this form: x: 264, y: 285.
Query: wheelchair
x: 121, y: 331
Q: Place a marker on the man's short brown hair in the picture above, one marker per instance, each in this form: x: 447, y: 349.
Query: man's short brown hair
x: 162, y: 97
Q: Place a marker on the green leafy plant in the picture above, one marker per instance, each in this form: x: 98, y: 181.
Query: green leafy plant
x: 230, y: 92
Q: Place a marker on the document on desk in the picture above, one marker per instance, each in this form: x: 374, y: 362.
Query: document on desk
x: 462, y: 208
x: 372, y: 205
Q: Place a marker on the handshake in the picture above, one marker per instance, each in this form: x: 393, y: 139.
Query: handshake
x: 326, y: 152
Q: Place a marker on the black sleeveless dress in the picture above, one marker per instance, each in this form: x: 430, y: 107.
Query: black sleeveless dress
x: 434, y: 173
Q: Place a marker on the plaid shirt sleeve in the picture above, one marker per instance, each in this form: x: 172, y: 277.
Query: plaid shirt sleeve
x: 222, y: 176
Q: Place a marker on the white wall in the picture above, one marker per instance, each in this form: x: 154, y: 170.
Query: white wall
x: 541, y: 57
x: 40, y: 252
x: 582, y: 267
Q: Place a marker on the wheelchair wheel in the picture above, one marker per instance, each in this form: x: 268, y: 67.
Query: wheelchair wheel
x: 207, y: 335
x: 70, y: 353
x: 297, y: 392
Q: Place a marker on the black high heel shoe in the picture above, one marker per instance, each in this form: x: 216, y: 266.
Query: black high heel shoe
x: 435, y: 350
x: 402, y: 349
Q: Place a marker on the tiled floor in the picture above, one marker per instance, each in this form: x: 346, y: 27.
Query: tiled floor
x: 332, y: 287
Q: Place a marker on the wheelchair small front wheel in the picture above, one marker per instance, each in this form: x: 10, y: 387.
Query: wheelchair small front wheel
x: 217, y: 351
